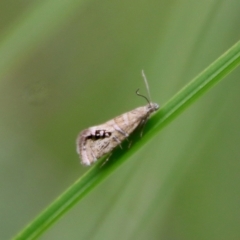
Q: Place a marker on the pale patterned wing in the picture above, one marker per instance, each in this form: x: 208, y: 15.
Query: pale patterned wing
x: 95, y: 142
x: 106, y: 143
x: 100, y: 147
x: 129, y: 121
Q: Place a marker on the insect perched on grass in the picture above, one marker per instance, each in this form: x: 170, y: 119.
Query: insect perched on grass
x: 97, y: 141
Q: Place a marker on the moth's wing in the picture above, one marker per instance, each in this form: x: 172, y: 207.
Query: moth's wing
x: 120, y: 128
x: 102, y: 146
x: 126, y: 123
x: 118, y: 131
x: 83, y: 142
x: 92, y: 148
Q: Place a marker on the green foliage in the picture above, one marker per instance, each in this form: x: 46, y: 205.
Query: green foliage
x: 68, y: 65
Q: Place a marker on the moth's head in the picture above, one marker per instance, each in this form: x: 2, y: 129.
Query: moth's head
x: 152, y: 107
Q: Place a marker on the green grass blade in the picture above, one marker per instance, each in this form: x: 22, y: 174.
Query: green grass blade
x: 212, y: 75
x: 199, y: 85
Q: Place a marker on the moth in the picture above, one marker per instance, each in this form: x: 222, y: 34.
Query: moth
x: 97, y: 141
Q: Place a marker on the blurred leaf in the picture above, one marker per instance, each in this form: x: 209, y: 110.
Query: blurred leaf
x: 39, y: 23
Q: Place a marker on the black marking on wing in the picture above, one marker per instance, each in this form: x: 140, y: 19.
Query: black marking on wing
x: 99, y: 134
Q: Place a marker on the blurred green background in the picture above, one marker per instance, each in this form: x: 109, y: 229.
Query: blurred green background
x: 68, y: 65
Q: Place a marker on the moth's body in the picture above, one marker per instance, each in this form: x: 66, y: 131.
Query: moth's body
x: 95, y: 142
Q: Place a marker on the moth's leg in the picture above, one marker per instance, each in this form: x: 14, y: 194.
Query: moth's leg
x: 130, y: 144
x: 107, y: 159
x: 142, y: 125
x: 118, y: 141
x: 118, y: 129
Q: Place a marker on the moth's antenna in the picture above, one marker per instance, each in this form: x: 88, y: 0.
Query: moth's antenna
x: 137, y: 92
x: 147, y: 87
